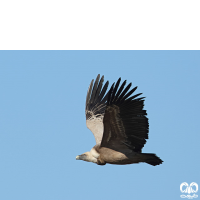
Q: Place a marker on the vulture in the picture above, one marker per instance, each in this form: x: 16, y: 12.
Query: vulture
x: 118, y: 123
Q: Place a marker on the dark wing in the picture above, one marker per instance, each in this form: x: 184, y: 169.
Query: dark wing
x: 125, y: 121
x: 95, y: 107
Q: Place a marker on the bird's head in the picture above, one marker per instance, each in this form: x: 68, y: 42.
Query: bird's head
x: 87, y: 156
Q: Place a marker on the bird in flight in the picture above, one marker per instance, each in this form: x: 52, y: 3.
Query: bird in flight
x: 118, y: 123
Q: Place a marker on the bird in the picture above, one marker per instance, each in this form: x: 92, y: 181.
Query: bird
x: 119, y: 124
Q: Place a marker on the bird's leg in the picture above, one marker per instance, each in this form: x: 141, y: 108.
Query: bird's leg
x: 100, y: 161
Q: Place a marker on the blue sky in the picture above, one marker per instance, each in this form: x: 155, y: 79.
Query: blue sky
x: 43, y: 124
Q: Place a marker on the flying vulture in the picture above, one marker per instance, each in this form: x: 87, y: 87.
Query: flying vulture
x: 119, y: 125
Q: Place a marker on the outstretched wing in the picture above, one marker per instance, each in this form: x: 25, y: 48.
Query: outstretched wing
x: 125, y: 121
x: 95, y: 107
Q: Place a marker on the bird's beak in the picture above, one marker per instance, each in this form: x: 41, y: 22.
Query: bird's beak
x: 77, y: 158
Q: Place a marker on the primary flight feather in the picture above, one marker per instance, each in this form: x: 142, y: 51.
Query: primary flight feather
x: 118, y: 123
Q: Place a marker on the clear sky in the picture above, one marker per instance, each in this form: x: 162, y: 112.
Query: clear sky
x: 42, y: 124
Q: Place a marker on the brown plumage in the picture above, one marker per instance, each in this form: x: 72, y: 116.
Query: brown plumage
x: 119, y: 125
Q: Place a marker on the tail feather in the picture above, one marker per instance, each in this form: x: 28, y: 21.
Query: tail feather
x: 151, y: 159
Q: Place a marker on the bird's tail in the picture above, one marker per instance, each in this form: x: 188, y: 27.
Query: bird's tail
x: 151, y: 159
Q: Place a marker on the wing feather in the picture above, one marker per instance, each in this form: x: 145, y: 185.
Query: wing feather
x: 103, y: 92
x: 120, y: 89
x: 94, y: 90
